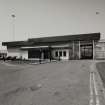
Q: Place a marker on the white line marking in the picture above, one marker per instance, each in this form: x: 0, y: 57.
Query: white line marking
x: 96, y: 91
x: 91, y: 90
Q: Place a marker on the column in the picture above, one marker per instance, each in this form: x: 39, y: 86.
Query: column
x: 79, y: 50
x: 69, y: 52
x: 73, y: 49
x: 93, y: 50
x: 42, y: 55
x: 50, y: 55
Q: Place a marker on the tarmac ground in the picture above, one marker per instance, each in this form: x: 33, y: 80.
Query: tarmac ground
x: 56, y: 83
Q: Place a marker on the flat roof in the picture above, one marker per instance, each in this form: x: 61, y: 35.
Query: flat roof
x: 53, y: 40
x: 77, y: 37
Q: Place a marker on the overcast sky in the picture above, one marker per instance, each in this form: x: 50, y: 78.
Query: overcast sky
x: 39, y: 18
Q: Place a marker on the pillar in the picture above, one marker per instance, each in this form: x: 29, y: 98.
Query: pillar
x: 73, y: 49
x: 50, y: 55
x: 79, y: 50
x: 42, y: 55
x: 93, y: 50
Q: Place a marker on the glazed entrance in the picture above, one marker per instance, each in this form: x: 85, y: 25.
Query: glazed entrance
x: 87, y: 51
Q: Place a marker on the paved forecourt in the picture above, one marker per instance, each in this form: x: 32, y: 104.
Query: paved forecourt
x: 61, y: 83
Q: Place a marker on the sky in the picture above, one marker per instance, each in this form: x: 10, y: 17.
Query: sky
x: 41, y: 18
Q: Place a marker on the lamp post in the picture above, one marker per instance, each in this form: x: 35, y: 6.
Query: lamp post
x: 97, y: 13
x: 13, y: 25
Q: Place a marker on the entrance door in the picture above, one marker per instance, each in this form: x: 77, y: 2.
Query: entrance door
x: 86, y: 52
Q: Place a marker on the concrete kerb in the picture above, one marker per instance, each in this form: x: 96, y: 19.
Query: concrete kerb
x: 31, y: 63
x: 47, y: 61
x: 14, y: 63
x: 38, y: 63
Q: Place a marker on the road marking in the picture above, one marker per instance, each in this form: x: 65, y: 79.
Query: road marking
x: 96, y: 90
x: 94, y: 96
x: 91, y: 89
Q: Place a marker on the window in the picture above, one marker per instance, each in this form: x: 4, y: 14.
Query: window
x: 56, y: 53
x: 64, y: 53
x: 60, y: 53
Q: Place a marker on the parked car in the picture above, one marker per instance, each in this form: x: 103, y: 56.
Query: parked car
x: 1, y: 58
x: 13, y: 58
x: 10, y: 58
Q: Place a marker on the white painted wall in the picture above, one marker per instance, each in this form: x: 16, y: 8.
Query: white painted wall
x: 63, y: 58
x: 17, y: 52
x: 24, y: 54
x: 14, y: 52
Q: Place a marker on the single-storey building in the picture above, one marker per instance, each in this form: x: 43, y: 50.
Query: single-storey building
x: 3, y: 51
x: 100, y: 49
x: 81, y: 46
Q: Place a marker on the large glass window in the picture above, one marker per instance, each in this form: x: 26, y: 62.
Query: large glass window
x: 60, y: 53
x: 64, y: 53
x: 56, y: 53
x: 86, y: 51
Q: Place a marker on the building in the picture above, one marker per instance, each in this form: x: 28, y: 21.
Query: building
x: 3, y: 51
x: 81, y: 46
x: 100, y: 49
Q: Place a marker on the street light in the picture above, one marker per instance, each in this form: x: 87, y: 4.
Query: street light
x: 13, y: 20
x: 97, y: 13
